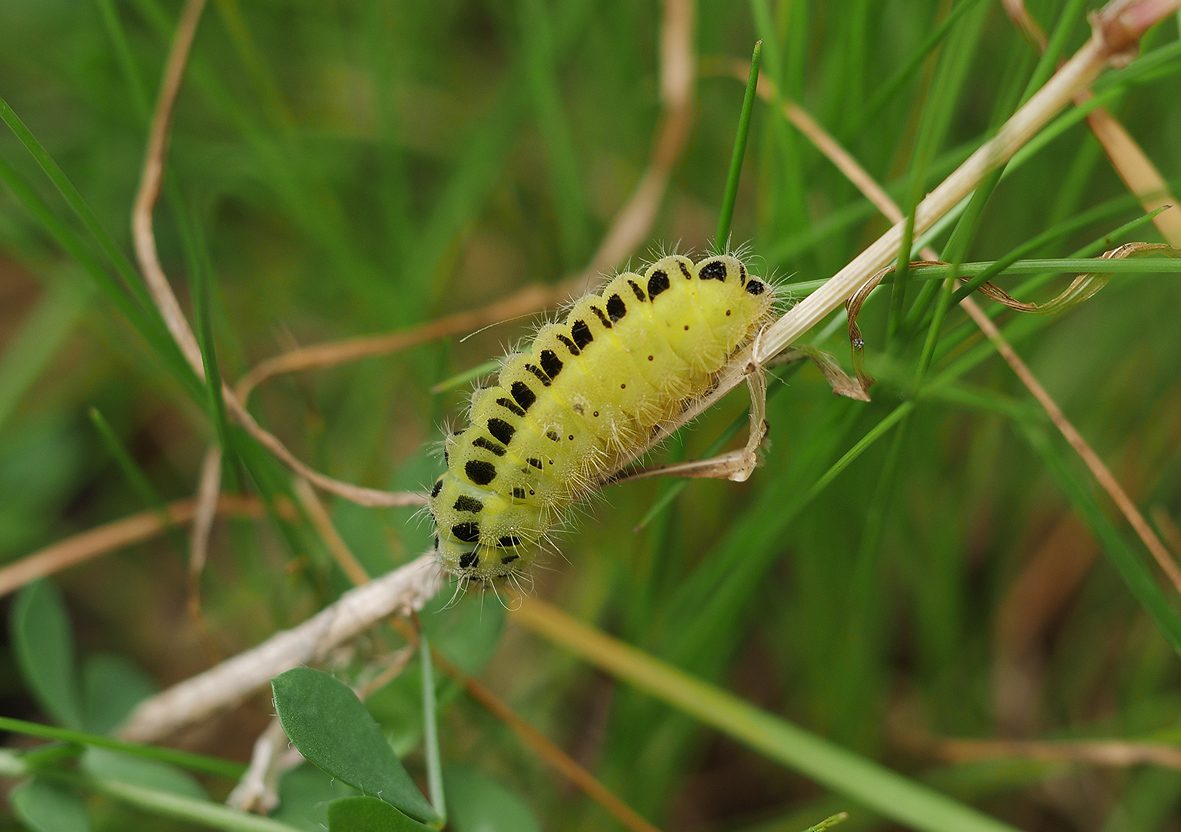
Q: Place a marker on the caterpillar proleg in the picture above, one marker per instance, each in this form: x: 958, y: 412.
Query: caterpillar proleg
x: 581, y: 401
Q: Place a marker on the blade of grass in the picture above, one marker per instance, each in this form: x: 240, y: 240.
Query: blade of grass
x: 149, y: 326
x: 850, y: 774
x: 1136, y: 574
x: 115, y: 256
x: 906, y: 70
x: 950, y: 73
x: 541, y: 67
x: 184, y: 759
x: 43, y: 332
x: 201, y: 275
x: 730, y: 195
x: 430, y: 732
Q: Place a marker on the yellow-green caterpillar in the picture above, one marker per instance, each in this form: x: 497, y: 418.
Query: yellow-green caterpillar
x: 581, y: 401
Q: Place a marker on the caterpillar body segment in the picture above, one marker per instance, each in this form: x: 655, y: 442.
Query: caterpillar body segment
x: 581, y: 401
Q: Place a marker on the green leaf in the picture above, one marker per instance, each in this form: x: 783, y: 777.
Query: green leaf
x: 44, y: 650
x: 477, y: 803
x: 368, y: 814
x: 305, y: 793
x: 331, y: 728
x: 47, y: 807
x: 120, y: 767
x: 111, y: 687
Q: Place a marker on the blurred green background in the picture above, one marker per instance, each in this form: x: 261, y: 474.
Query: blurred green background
x: 347, y: 168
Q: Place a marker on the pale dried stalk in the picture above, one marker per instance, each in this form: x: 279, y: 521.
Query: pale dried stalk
x: 208, y: 488
x: 1108, y: 42
x: 882, y: 201
x: 1115, y: 753
x: 322, y: 523
x: 403, y: 591
x: 1129, y: 160
x: 273, y: 754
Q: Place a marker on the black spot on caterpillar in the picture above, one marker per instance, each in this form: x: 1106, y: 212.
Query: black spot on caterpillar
x: 467, y: 532
x: 488, y: 445
x: 581, y: 334
x: 501, y: 429
x: 466, y: 503
x: 713, y: 270
x: 522, y: 395
x: 551, y: 363
x: 561, y: 416
x: 616, y: 308
x: 479, y: 471
x: 657, y: 284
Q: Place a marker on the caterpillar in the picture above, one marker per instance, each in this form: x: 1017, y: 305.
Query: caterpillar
x: 580, y: 402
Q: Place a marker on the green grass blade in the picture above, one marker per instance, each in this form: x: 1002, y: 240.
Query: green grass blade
x: 730, y: 195
x: 430, y: 731
x: 858, y: 778
x: 1141, y: 581
x: 184, y: 759
x: 77, y: 204
x: 42, y: 334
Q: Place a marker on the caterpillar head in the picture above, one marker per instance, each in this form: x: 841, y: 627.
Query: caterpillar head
x: 478, y: 533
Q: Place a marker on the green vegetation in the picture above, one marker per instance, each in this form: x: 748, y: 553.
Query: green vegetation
x: 936, y: 565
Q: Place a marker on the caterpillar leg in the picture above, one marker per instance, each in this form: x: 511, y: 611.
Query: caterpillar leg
x: 737, y: 465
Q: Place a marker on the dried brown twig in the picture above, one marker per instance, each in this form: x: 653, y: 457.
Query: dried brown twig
x: 1114, y: 753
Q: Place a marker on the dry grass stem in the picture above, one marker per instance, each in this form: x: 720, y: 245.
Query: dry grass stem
x: 273, y: 754
x: 119, y: 534
x: 1114, y: 753
x: 322, y: 523
x: 401, y: 592
x: 1111, y: 41
x: 1129, y: 160
x: 208, y: 489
